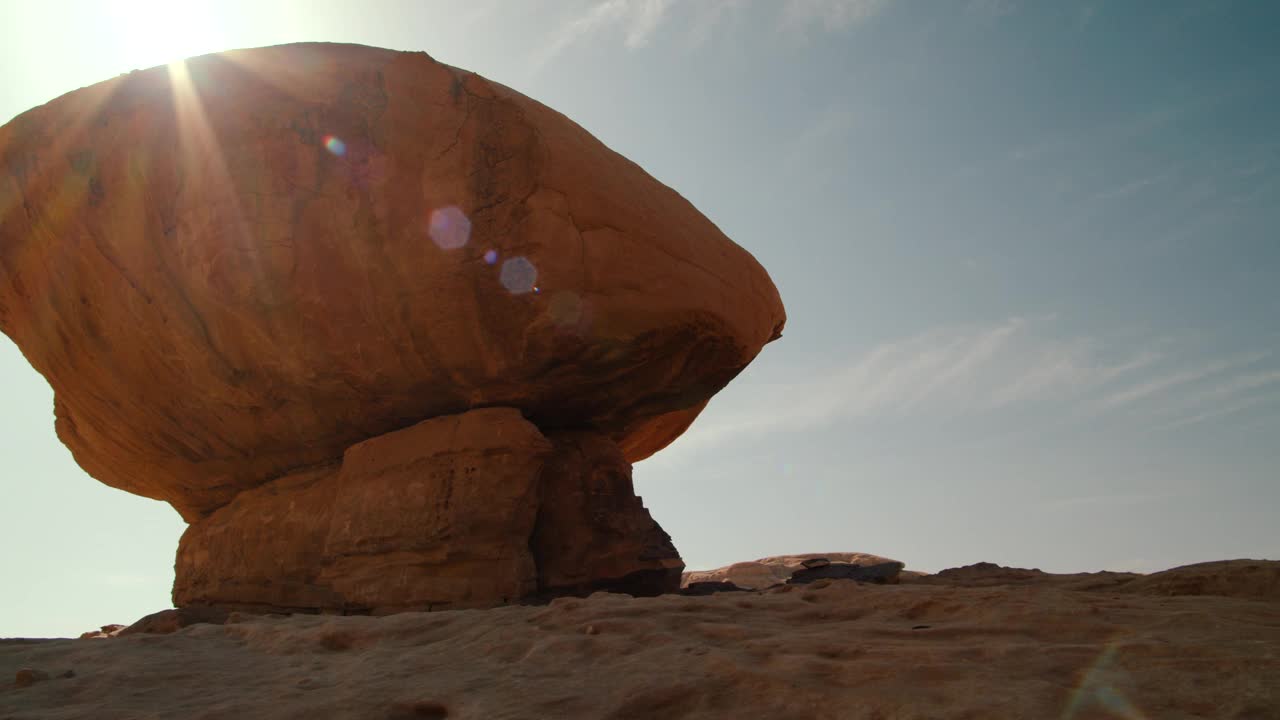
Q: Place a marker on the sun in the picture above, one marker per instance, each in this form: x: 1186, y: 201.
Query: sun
x: 156, y: 32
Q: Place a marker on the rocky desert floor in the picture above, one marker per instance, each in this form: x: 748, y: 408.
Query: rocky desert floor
x: 976, y: 642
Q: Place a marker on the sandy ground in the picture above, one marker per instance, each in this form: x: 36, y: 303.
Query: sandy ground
x: 834, y: 649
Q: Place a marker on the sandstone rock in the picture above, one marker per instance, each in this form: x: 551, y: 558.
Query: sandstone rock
x: 885, y: 573
x: 1250, y: 579
x: 986, y: 574
x: 174, y: 619
x: 836, y: 653
x: 26, y: 677
x: 592, y: 531
x: 983, y: 574
x: 241, y: 266
x: 468, y: 510
x: 421, y: 710
x: 105, y: 631
x: 438, y: 514
x: 1253, y: 579
x: 769, y: 571
x: 709, y: 587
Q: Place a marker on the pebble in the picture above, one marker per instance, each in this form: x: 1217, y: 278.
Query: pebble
x: 27, y: 677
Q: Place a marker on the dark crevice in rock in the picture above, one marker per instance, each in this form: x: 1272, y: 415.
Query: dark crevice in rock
x: 593, y: 533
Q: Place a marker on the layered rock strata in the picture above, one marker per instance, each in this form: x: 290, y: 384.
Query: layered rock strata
x: 467, y: 510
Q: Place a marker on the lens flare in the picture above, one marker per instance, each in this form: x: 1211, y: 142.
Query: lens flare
x: 1098, y: 689
x: 518, y: 275
x: 490, y: 257
x: 334, y: 144
x: 449, y: 228
x: 364, y: 164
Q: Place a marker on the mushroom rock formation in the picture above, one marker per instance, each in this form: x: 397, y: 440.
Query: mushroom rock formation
x: 347, y: 308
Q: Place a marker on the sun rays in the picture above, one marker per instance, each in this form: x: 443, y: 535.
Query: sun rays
x: 202, y: 169
x: 155, y: 32
x: 48, y: 155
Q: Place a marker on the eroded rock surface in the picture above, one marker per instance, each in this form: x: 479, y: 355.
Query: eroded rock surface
x: 241, y: 266
x: 596, y: 534
x: 173, y: 620
x: 1243, y: 578
x: 882, y: 573
x: 832, y: 650
x: 1257, y: 579
x: 769, y: 571
x: 467, y: 510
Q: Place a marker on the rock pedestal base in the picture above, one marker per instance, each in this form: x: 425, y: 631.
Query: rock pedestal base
x: 470, y: 510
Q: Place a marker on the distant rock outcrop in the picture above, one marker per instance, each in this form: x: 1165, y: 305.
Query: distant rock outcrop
x: 106, y: 631
x: 881, y: 573
x: 174, y: 619
x: 246, y: 275
x: 769, y: 571
x: 1254, y: 579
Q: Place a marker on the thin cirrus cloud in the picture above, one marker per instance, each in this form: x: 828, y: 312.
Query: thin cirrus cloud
x: 1233, y: 395
x: 988, y: 370
x: 639, y: 20
x: 1172, y: 380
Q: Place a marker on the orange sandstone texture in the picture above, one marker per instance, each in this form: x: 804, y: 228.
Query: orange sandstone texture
x: 246, y: 275
x: 831, y: 650
x: 459, y: 511
x: 243, y: 266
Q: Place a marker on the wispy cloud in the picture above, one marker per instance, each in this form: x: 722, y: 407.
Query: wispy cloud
x: 1217, y: 412
x: 643, y: 17
x: 1174, y: 379
x: 1228, y: 397
x: 1003, y: 367
x: 1237, y: 385
x: 1067, y: 365
x: 638, y: 19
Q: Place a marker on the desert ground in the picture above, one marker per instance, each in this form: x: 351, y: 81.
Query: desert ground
x: 976, y: 642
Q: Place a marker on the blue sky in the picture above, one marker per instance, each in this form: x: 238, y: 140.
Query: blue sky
x: 1030, y: 254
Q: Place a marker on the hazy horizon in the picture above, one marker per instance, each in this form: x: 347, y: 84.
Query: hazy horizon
x: 1030, y: 255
